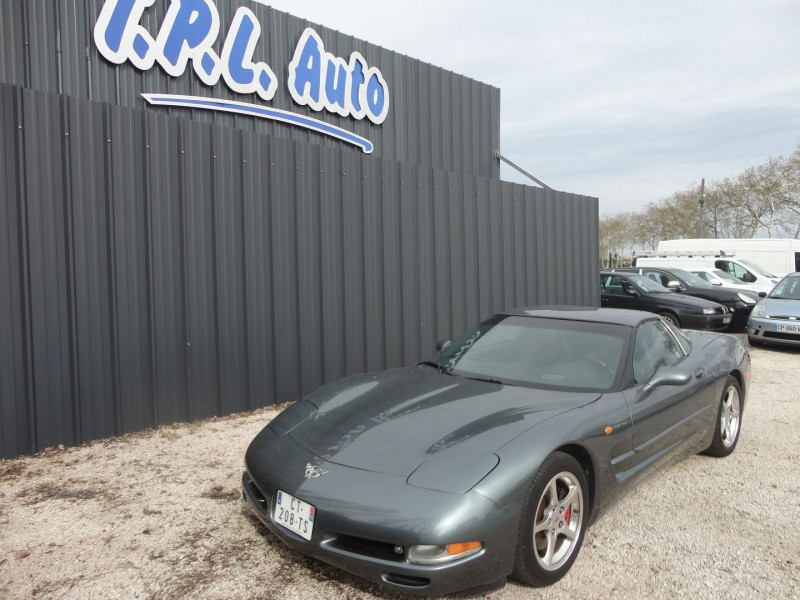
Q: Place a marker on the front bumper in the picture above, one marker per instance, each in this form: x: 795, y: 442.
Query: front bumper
x: 362, y: 518
x: 766, y: 330
x: 740, y: 313
x: 716, y: 322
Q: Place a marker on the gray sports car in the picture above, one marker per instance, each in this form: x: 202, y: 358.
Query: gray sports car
x: 493, y: 457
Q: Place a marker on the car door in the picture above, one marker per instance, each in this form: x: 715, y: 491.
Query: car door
x: 618, y: 292
x: 665, y: 418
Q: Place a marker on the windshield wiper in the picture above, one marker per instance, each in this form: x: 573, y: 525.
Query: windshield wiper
x: 489, y: 380
x: 437, y: 366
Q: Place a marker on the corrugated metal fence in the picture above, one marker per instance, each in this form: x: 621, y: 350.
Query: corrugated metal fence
x: 155, y: 269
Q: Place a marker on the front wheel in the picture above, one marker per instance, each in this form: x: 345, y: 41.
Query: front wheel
x: 729, y: 419
x: 670, y: 318
x: 553, y: 521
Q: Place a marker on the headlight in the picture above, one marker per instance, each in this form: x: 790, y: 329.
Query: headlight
x: 424, y: 554
x: 746, y: 299
x: 759, y: 312
x: 710, y: 311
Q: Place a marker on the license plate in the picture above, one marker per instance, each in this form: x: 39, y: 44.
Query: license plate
x: 787, y: 328
x: 294, y: 514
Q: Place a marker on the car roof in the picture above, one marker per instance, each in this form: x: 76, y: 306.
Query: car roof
x: 617, y: 316
x: 624, y: 273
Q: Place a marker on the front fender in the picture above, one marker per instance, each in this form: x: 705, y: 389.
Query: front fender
x: 581, y: 432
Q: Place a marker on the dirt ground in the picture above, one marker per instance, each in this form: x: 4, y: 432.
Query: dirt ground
x: 158, y: 515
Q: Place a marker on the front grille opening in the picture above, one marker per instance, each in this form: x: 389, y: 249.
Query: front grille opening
x: 406, y: 580
x: 779, y: 335
x: 255, y: 494
x: 364, y: 547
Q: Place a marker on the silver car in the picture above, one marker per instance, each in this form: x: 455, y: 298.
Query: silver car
x: 776, y: 319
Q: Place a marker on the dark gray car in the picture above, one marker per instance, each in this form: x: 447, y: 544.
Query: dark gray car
x: 492, y: 458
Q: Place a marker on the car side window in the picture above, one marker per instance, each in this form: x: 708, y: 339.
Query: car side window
x: 613, y: 285
x: 661, y: 278
x: 736, y: 270
x: 707, y: 276
x: 654, y: 347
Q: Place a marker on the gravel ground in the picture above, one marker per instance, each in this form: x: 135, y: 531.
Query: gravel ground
x: 158, y: 515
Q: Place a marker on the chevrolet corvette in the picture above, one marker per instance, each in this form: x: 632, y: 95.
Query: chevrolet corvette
x: 492, y: 458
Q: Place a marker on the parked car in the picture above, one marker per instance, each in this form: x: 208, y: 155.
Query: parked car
x: 622, y: 289
x: 720, y: 278
x: 748, y: 271
x: 776, y: 319
x: 739, y: 303
x: 494, y: 456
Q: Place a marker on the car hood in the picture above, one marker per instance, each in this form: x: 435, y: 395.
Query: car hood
x: 778, y: 308
x: 682, y: 300
x: 721, y: 294
x: 395, y: 421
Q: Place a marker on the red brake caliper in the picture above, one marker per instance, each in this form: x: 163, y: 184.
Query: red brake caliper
x: 567, y: 514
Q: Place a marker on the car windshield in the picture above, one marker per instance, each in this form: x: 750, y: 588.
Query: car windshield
x: 788, y: 288
x: 649, y: 285
x: 727, y: 277
x: 760, y: 270
x: 539, y: 352
x: 690, y: 278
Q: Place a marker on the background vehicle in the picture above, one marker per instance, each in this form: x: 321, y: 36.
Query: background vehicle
x: 739, y: 303
x: 720, y: 278
x: 746, y: 271
x: 776, y: 319
x: 494, y: 456
x: 637, y: 292
x: 779, y: 256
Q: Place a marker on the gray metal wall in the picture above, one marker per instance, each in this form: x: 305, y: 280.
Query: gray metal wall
x: 163, y: 265
x: 437, y: 118
x: 155, y: 269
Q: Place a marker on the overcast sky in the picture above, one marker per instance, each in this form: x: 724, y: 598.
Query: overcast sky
x: 626, y: 100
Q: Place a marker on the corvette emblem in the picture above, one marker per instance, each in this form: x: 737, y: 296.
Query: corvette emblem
x: 312, y: 471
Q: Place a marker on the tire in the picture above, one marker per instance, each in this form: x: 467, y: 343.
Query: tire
x: 729, y: 420
x: 671, y: 318
x: 553, y: 521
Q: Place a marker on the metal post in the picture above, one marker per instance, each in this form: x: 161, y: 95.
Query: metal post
x: 701, y: 202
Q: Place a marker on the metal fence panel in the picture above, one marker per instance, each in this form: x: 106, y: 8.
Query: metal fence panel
x: 163, y: 264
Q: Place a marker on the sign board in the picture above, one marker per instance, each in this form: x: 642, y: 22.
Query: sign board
x: 187, y: 37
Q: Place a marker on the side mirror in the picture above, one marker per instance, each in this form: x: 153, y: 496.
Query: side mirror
x: 631, y: 291
x: 762, y: 294
x: 674, y: 285
x: 716, y: 282
x: 442, y: 344
x: 667, y: 376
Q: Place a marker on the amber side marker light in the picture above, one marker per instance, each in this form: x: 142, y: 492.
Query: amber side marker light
x: 425, y: 554
x: 608, y: 430
x: 456, y: 549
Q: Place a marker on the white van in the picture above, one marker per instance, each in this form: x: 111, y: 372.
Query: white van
x: 778, y: 256
x: 750, y: 273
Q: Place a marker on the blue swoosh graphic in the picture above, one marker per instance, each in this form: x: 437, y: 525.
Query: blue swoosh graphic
x: 263, y: 112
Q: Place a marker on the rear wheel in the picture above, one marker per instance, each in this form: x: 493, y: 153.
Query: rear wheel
x: 729, y: 419
x: 670, y: 318
x: 554, y: 518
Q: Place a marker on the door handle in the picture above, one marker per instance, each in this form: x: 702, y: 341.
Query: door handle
x: 700, y: 373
